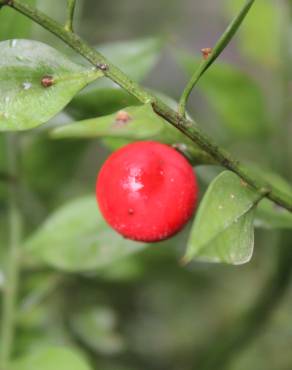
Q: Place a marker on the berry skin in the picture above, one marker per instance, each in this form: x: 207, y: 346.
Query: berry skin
x: 146, y: 191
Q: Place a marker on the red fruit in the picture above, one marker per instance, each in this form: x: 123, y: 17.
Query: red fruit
x: 146, y: 191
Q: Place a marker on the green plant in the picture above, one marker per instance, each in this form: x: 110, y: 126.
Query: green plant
x: 36, y: 83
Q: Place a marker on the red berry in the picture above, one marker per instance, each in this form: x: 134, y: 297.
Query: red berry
x: 146, y: 191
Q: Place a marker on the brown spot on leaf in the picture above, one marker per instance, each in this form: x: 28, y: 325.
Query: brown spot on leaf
x: 122, y: 118
x: 47, y: 81
x: 243, y: 183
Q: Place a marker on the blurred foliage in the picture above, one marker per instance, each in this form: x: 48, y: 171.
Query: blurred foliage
x: 265, y: 47
x: 89, y: 299
x: 235, y: 97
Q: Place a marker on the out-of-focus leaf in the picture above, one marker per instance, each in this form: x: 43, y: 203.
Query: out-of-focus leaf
x: 96, y: 327
x: 130, y: 123
x: 268, y: 214
x: 114, y: 143
x: 76, y: 238
x: 15, y: 25
x: 24, y: 101
x: 136, y: 58
x: 173, y: 134
x: 100, y: 102
x: 236, y: 98
x: 51, y: 359
x: 260, y: 34
x: 56, y: 10
x: 50, y: 164
x: 223, y: 227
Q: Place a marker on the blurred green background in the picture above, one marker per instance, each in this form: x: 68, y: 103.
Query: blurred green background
x: 148, y: 311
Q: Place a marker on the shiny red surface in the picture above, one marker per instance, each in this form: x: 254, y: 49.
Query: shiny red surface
x: 146, y: 191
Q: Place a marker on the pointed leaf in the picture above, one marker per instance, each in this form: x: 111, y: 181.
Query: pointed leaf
x: 132, y: 122
x: 24, y: 101
x: 223, y: 227
x: 51, y: 358
x: 76, y: 238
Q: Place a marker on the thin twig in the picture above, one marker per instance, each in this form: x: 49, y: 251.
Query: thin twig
x: 188, y: 127
x: 214, y: 54
x: 70, y: 15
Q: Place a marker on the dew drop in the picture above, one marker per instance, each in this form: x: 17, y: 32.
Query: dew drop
x: 26, y: 85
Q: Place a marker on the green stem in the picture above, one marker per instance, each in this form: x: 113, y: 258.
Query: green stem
x: 224, y: 347
x: 12, y: 268
x: 70, y: 15
x: 215, y: 53
x: 188, y: 127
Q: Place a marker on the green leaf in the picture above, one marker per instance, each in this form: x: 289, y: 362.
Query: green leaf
x: 130, y: 123
x: 260, y: 35
x: 136, y: 58
x: 51, y: 359
x: 223, y: 227
x: 56, y: 161
x: 236, y: 98
x: 271, y: 216
x: 100, y: 102
x: 268, y: 214
x: 96, y: 327
x: 24, y: 102
x: 76, y: 238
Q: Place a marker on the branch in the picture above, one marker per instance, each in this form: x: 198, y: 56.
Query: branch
x: 12, y: 268
x: 70, y: 15
x: 230, y: 341
x: 214, y: 54
x: 188, y: 127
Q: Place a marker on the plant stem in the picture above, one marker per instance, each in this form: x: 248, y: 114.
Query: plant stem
x: 70, y: 15
x: 12, y: 268
x: 216, y: 51
x: 188, y: 127
x: 221, y: 350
